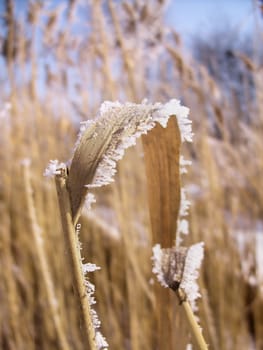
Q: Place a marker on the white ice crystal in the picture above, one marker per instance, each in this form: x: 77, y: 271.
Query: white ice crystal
x: 183, y: 226
x: 180, y: 265
x: 174, y: 108
x: 53, y: 168
x: 182, y: 222
x: 128, y: 122
x: 185, y: 203
x: 157, y: 265
x: 84, y: 125
x: 107, y: 105
x: 89, y: 267
x: 90, y: 199
x: 100, y: 340
x: 103, y: 140
x: 95, y: 318
x: 194, y: 257
x: 101, y: 143
x: 183, y: 163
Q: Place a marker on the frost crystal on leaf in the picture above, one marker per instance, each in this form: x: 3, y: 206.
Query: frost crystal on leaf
x: 108, y: 105
x: 95, y: 318
x: 168, y: 265
x: 54, y: 168
x: 89, y: 267
x: 100, y: 340
x: 84, y: 125
x: 185, y: 203
x: 90, y: 199
x: 103, y: 141
x: 173, y: 107
x: 193, y: 262
x: 183, y: 227
x: 157, y: 265
x: 178, y: 267
x: 182, y: 223
x: 183, y: 163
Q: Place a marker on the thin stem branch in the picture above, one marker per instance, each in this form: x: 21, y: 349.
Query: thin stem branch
x: 195, y: 328
x: 74, y: 255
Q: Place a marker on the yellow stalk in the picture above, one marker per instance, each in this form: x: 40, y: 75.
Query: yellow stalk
x: 75, y: 257
x: 195, y: 328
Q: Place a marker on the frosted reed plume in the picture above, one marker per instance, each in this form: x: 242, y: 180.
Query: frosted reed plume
x: 101, y: 144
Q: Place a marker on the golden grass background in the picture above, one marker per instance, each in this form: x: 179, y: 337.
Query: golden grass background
x: 59, y: 64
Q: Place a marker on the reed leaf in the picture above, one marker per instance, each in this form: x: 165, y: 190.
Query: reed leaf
x: 162, y: 156
x: 102, y: 143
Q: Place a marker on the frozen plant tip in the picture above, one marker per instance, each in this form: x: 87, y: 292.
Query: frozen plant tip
x: 103, y: 140
x: 178, y: 267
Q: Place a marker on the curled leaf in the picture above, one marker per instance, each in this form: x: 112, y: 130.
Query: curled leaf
x: 102, y: 143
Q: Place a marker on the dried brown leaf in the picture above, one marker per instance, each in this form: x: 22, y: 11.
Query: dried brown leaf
x: 162, y: 154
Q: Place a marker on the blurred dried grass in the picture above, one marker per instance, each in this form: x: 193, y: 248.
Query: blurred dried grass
x: 59, y: 65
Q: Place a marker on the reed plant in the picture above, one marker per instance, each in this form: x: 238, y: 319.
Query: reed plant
x: 55, y: 73
x: 101, y: 143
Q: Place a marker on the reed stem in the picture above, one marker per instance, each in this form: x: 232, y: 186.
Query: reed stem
x: 75, y: 258
x: 195, y: 328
